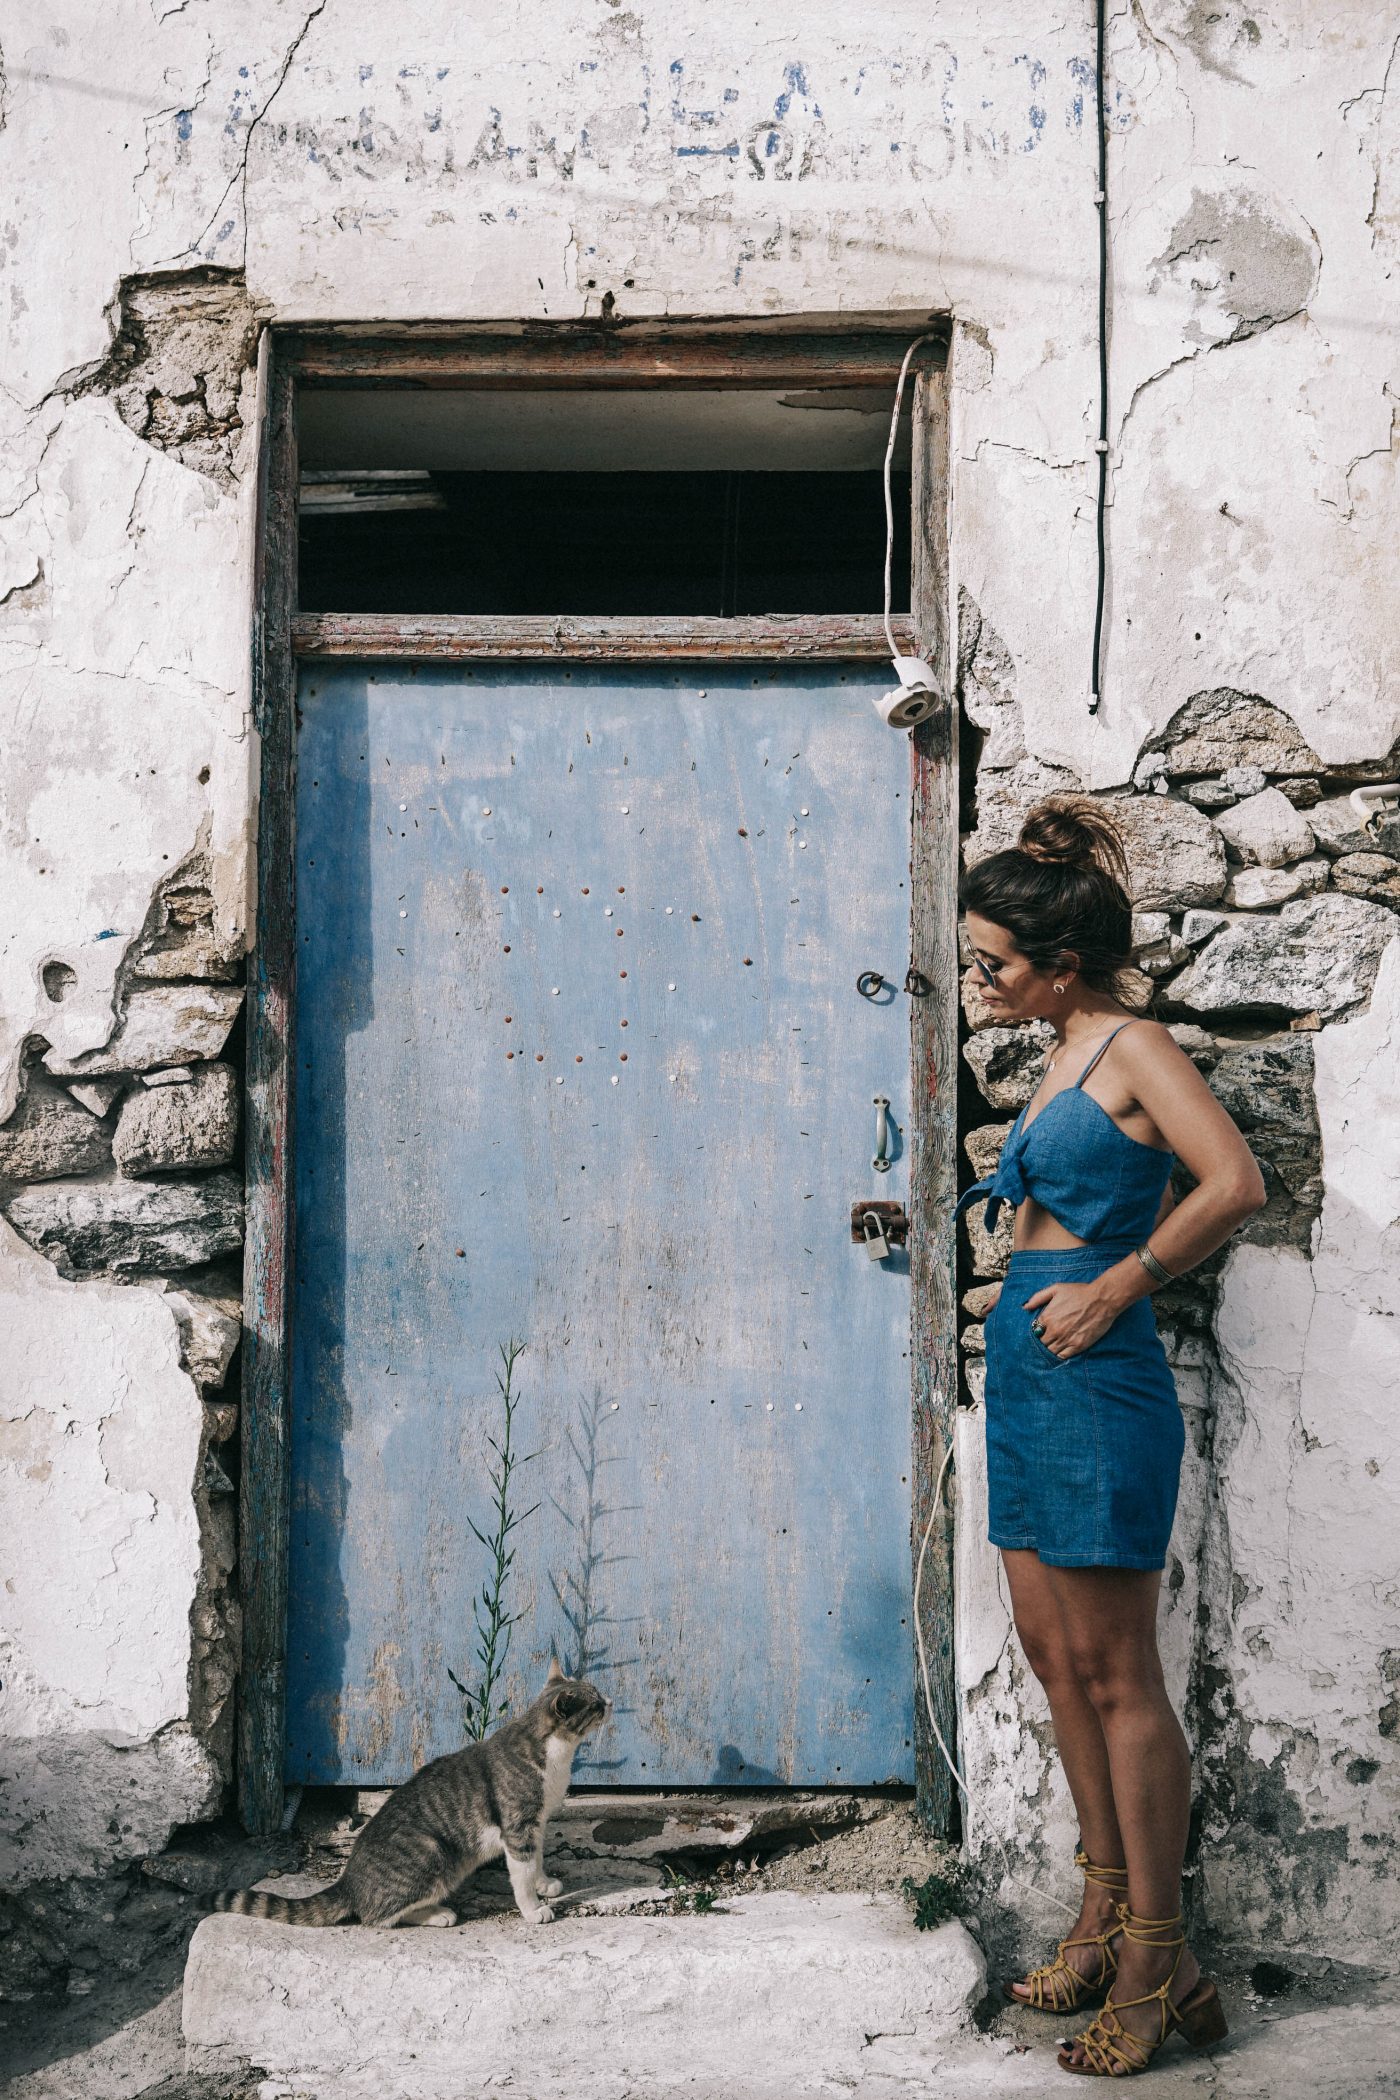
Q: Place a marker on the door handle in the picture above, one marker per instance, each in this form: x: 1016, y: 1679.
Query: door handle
x: 882, y: 1162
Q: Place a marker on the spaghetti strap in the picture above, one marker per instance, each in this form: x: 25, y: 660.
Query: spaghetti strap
x: 1100, y: 1051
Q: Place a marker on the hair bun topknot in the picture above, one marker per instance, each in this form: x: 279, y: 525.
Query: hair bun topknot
x: 1074, y: 831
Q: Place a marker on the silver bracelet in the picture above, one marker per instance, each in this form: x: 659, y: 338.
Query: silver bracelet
x: 1152, y: 1265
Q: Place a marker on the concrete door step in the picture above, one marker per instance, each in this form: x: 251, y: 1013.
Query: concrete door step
x: 771, y: 1994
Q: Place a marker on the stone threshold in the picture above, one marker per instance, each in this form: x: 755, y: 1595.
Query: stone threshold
x: 793, y: 1990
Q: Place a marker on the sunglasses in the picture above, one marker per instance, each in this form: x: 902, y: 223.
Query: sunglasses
x: 990, y: 971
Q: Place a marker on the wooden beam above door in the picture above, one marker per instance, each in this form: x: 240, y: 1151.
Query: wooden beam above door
x: 454, y: 638
x: 632, y: 354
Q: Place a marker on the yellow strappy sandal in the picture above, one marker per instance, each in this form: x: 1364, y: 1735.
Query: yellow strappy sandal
x: 1057, y: 1986
x: 1110, y: 2050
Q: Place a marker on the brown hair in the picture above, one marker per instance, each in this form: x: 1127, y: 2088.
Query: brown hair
x: 1063, y: 887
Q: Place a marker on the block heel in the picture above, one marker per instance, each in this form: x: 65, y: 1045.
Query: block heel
x: 1201, y: 2016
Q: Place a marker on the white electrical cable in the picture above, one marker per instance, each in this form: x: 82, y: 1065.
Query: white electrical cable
x: 1014, y: 1879
x: 889, y: 499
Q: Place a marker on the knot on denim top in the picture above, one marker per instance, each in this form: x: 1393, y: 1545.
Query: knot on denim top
x: 1099, y: 1183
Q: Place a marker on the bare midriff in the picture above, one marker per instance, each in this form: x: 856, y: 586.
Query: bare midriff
x: 1037, y: 1230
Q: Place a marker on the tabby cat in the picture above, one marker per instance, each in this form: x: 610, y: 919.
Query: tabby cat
x: 459, y: 1812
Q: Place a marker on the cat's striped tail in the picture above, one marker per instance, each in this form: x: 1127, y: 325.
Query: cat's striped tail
x: 327, y: 1907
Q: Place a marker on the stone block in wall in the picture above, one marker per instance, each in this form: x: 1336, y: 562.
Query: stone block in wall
x: 1176, y: 856
x: 991, y: 1251
x: 983, y: 1147
x: 211, y: 1324
x: 1198, y: 926
x: 1319, y: 955
x: 96, y: 1095
x: 976, y: 1011
x: 1003, y: 799
x: 1222, y: 729
x: 195, y: 1124
x: 1198, y: 1043
x: 161, y: 1025
x: 1266, y: 831
x: 131, y: 1226
x: 1338, y: 829
x: 1209, y: 795
x: 1158, y: 958
x: 180, y: 938
x: 50, y: 1137
x: 1008, y: 1063
x: 1263, y: 889
x: 1267, y: 1087
x: 1373, y: 875
x: 979, y: 1301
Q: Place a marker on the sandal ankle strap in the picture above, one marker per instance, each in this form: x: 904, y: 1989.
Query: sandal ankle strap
x: 1146, y: 1931
x: 1112, y: 1878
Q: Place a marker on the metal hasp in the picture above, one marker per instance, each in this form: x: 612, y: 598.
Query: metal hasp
x: 882, y: 1161
x: 890, y: 1221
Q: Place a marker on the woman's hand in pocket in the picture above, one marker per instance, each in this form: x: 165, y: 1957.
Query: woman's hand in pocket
x: 1070, y: 1317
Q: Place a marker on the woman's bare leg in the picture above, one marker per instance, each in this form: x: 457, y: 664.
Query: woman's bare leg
x: 1109, y: 1618
x: 1079, y: 1738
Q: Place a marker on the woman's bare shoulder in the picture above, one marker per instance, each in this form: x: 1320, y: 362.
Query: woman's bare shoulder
x: 1149, y: 1048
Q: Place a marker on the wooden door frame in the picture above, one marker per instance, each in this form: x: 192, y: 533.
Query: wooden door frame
x: 510, y: 356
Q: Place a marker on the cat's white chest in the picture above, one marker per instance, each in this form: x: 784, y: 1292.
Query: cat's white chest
x: 558, y: 1769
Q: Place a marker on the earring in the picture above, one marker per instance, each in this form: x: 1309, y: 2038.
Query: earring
x: 1059, y: 988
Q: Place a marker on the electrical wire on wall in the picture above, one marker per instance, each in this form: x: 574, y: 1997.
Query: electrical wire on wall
x: 1101, y: 518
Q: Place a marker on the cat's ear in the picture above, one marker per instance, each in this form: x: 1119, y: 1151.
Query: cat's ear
x: 555, y: 1673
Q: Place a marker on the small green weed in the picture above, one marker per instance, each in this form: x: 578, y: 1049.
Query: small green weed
x: 935, y: 1900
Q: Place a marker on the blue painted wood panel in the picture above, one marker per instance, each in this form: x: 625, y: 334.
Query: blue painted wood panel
x: 580, y: 1059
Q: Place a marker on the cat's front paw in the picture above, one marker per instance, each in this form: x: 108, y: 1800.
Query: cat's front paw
x: 441, y: 1918
x: 538, y: 1914
x: 545, y: 1887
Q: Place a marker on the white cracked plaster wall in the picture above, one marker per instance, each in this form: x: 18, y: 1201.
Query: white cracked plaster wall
x: 122, y: 678
x: 1310, y: 1493
x: 125, y: 593
x: 705, y: 161
x: 124, y: 674
x: 1019, y: 1820
x: 99, y: 1440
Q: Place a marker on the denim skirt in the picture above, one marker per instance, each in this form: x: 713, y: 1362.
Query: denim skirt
x: 1083, y: 1452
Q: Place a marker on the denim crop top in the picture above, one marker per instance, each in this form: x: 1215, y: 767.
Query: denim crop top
x: 1099, y: 1183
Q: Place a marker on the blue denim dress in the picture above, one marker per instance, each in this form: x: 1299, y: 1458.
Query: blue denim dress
x: 1083, y: 1452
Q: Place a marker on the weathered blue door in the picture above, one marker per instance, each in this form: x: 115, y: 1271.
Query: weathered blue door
x: 581, y: 1060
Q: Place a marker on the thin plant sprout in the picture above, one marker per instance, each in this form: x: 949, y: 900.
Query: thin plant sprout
x: 495, y: 1622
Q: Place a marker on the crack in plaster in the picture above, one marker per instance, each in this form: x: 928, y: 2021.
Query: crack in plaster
x: 239, y: 179
x: 187, y: 104
x: 1378, y: 95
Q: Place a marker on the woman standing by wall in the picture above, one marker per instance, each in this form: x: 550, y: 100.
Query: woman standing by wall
x: 1084, y: 1433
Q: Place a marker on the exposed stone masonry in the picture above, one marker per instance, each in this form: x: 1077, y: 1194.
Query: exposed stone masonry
x: 123, y: 1163
x: 179, y: 366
